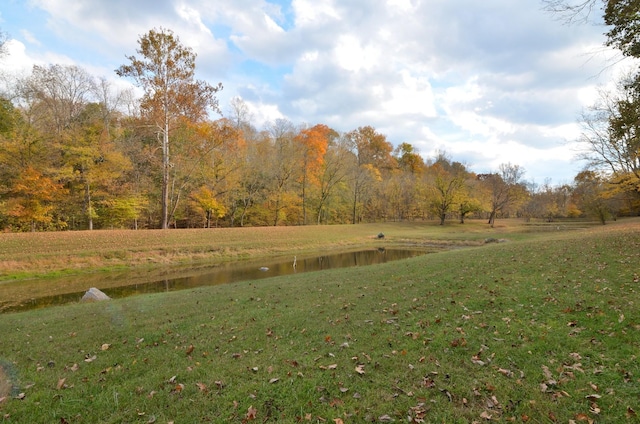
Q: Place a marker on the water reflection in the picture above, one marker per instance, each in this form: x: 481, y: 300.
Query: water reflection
x: 233, y: 272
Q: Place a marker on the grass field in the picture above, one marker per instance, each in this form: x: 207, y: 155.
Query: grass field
x: 542, y: 328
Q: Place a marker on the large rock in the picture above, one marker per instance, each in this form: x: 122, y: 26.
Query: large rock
x: 94, y: 295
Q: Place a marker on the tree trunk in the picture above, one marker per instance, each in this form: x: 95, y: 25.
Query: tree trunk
x: 89, y: 210
x: 165, y: 175
x: 492, y: 218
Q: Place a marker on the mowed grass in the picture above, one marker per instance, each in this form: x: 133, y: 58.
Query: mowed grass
x: 542, y: 328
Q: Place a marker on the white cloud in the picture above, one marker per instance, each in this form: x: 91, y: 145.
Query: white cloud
x: 314, y: 12
x: 16, y: 59
x: 30, y: 38
x: 353, y: 56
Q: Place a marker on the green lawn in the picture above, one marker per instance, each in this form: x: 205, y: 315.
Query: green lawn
x: 544, y: 327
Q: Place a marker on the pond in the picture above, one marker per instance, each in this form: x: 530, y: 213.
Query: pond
x: 224, y: 274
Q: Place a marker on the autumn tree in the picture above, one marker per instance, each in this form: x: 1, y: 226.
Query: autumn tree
x: 91, y: 161
x: 313, y: 147
x: 253, y: 185
x: 505, y: 189
x: 447, y: 182
x: 333, y: 175
x: 611, y: 138
x: 283, y: 170
x: 373, y: 159
x: 32, y: 201
x: 165, y: 71
x: 592, y: 194
x: 408, y: 160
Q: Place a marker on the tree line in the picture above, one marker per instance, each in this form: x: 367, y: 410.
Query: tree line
x: 76, y: 153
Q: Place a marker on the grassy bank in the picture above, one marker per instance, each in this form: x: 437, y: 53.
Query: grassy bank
x: 542, y: 328
x: 28, y: 255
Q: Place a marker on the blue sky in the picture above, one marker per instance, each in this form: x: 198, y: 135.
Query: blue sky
x: 487, y: 82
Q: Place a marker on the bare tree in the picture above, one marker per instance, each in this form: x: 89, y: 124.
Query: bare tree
x: 506, y: 188
x: 611, y: 135
x: 572, y: 11
x: 57, y: 94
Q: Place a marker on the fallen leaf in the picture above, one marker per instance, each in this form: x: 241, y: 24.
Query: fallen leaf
x: 90, y: 358
x: 360, y: 369
x: 485, y: 415
x: 251, y: 413
x: 476, y: 360
x: 385, y: 419
x: 338, y: 421
x: 105, y: 346
x: 336, y: 402
x: 274, y: 380
x: 202, y: 387
x: 60, y: 384
x: 190, y: 350
x: 329, y: 367
x: 505, y: 372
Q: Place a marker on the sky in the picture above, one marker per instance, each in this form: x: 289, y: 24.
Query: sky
x: 486, y: 82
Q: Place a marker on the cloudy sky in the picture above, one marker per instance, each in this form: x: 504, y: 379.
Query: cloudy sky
x: 487, y: 82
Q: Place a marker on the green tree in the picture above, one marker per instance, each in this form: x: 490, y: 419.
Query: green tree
x: 166, y: 73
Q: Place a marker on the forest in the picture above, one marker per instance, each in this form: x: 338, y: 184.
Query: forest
x: 77, y: 153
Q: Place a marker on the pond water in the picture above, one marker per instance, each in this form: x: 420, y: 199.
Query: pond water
x: 231, y: 272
